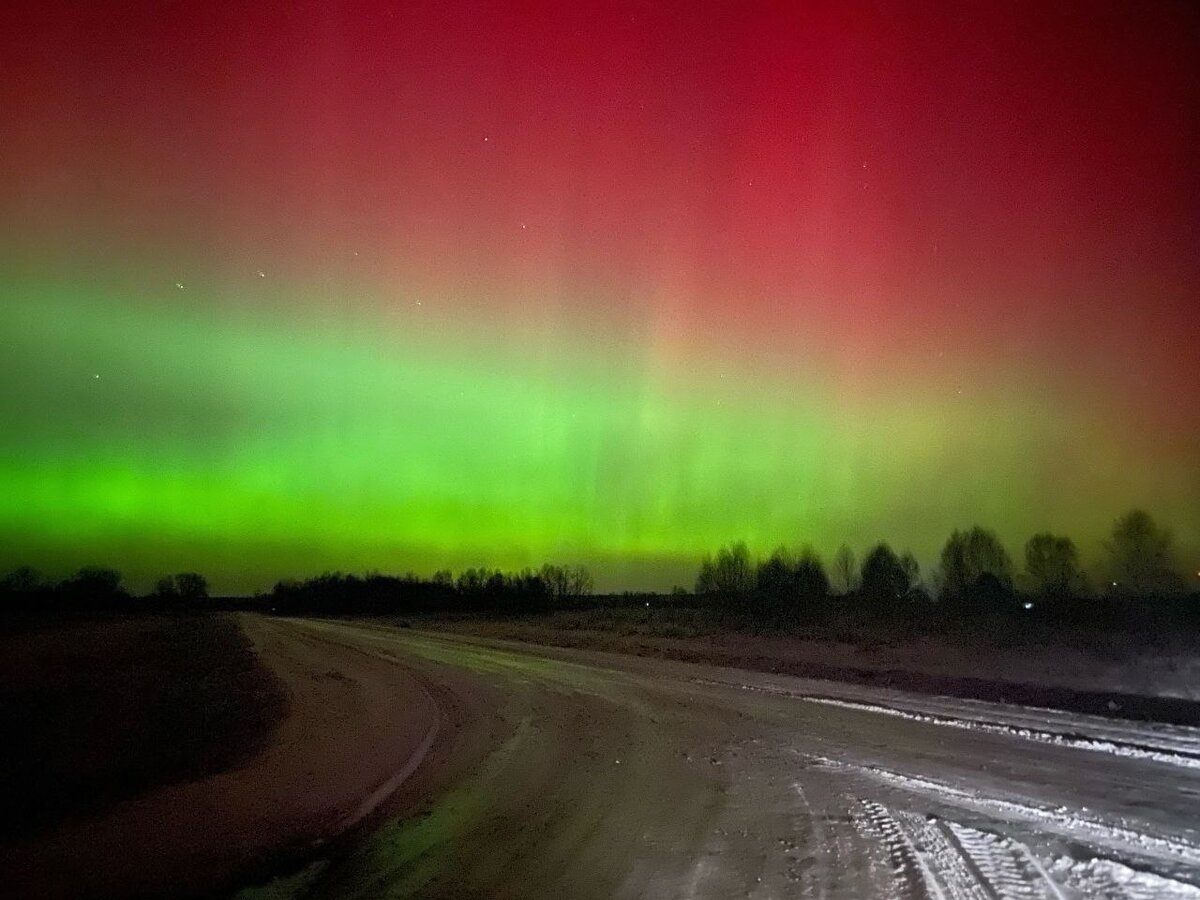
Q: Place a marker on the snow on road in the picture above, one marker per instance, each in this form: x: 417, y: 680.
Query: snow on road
x: 470, y: 768
x: 647, y: 778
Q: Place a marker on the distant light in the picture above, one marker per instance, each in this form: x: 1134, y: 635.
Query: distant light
x: 647, y: 604
x: 1114, y: 584
x: 1027, y: 605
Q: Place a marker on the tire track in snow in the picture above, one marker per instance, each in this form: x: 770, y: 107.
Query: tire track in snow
x: 948, y: 861
x: 1072, y: 825
x: 1008, y: 866
x: 1107, y: 879
x: 874, y: 822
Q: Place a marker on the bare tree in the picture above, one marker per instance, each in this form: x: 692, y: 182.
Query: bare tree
x: 579, y: 581
x: 975, y: 562
x: 706, y: 580
x: 1140, y: 555
x: 845, y: 570
x: 566, y: 582
x: 730, y: 573
x: 1052, y: 564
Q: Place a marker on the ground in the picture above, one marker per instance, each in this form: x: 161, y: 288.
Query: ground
x: 415, y: 763
x: 105, y: 709
x: 1142, y: 674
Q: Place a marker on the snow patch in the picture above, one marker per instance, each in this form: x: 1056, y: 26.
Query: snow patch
x: 1107, y: 879
x: 1077, y: 742
x: 1181, y: 750
x: 1059, y: 820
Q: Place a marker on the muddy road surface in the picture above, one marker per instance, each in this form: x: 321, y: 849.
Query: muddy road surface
x: 416, y: 764
x: 611, y: 776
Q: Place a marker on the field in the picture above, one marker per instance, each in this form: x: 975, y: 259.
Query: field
x: 106, y: 710
x: 1143, y: 673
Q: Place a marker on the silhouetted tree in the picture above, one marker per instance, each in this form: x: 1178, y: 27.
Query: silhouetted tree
x: 495, y: 587
x: 845, y: 570
x: 566, y: 582
x: 787, y: 582
x: 165, y: 590
x: 22, y: 580
x: 555, y: 578
x: 1052, y: 563
x: 1140, y: 555
x: 883, y: 577
x: 184, y: 589
x: 775, y: 576
x: 471, y: 581
x: 912, y: 569
x: 579, y: 581
x: 94, y: 587
x: 811, y: 581
x: 192, y: 587
x: 975, y: 565
x: 96, y: 580
x: 25, y: 588
x: 706, y: 578
x: 732, y: 572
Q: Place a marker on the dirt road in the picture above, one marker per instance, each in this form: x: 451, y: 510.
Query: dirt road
x: 469, y: 768
x: 624, y: 777
x: 356, y: 722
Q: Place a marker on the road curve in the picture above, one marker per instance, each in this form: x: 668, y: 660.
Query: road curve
x: 355, y: 724
x: 579, y: 774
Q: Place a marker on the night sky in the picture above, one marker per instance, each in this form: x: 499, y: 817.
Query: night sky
x: 297, y: 287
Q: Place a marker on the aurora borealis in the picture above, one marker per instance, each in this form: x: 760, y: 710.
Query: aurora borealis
x: 295, y: 287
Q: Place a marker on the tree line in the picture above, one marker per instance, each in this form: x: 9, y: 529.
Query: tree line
x: 975, y: 578
x: 101, y: 589
x: 481, y: 590
x: 975, y: 573
x: 98, y: 588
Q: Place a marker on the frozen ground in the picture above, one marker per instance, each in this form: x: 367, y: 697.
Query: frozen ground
x: 630, y: 777
x: 462, y: 767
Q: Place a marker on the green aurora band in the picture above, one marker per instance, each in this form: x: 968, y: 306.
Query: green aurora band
x: 258, y: 445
